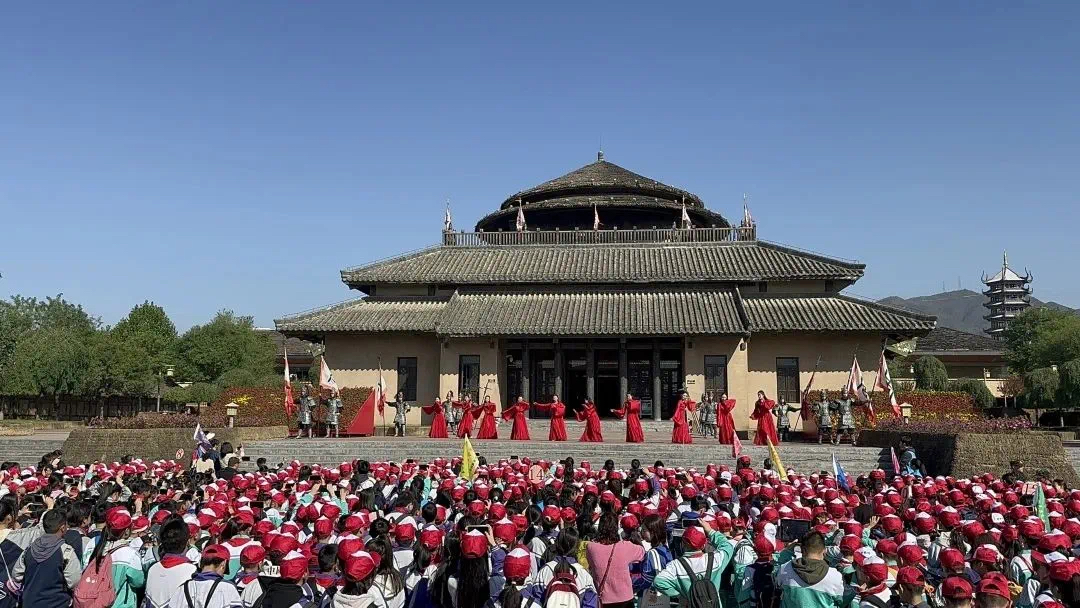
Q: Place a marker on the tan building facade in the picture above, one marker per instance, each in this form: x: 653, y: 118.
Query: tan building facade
x: 563, y: 306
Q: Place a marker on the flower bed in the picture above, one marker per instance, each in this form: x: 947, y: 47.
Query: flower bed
x: 980, y: 425
x: 266, y: 406
x: 148, y: 420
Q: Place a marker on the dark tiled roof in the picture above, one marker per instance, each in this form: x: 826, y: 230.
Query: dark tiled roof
x: 829, y: 313
x: 611, y: 312
x: 593, y: 314
x: 292, y: 346
x: 601, y: 175
x: 636, y: 263
x: 368, y: 315
x: 943, y: 339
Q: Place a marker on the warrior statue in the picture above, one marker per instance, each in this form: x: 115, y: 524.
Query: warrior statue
x: 822, y: 416
x: 453, y: 413
x: 401, y: 408
x: 707, y: 415
x: 846, y: 414
x: 333, y: 413
x: 783, y: 424
x: 304, y: 411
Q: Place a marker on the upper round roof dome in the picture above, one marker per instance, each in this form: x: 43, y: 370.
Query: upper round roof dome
x: 622, y: 197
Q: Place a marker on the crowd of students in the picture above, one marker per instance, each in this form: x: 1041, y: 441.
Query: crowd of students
x: 528, y: 534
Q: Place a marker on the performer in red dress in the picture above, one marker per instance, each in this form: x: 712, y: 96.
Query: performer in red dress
x: 631, y: 410
x: 557, y: 430
x: 520, y: 430
x: 591, y: 419
x: 464, y: 427
x: 766, y: 426
x: 488, y: 430
x: 438, y: 419
x: 681, y: 432
x: 725, y: 423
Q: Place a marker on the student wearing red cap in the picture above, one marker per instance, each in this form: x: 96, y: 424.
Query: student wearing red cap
x: 957, y: 592
x: 174, y: 567
x: 910, y: 588
x: 208, y: 588
x: 515, y: 572
x: 359, y: 590
x: 675, y: 579
x: 564, y: 563
x: 128, y: 575
x: 993, y: 591
x: 756, y: 584
x: 251, y: 562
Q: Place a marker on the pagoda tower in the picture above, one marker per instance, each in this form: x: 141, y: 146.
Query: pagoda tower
x: 1008, y: 294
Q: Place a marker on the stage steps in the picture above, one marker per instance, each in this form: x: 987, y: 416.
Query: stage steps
x: 25, y: 450
x: 802, y: 456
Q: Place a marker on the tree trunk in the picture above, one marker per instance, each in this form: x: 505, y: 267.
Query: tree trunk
x: 56, y: 405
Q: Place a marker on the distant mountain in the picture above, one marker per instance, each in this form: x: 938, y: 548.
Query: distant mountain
x: 960, y: 309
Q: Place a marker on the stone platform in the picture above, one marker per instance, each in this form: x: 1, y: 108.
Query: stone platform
x: 801, y: 456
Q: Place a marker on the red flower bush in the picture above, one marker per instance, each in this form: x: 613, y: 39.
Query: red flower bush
x: 956, y: 427
x: 266, y: 406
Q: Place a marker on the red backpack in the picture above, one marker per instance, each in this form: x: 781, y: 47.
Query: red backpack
x: 95, y: 589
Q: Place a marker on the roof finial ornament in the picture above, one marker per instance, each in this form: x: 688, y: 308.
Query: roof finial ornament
x: 1004, y: 258
x: 448, y: 222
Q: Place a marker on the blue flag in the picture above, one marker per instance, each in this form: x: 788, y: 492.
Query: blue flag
x: 841, y: 476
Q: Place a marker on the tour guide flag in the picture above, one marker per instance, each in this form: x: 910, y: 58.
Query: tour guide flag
x: 469, y: 461
x: 774, y: 456
x: 326, y: 377
x: 884, y: 382
x: 1039, y: 505
x: 895, y: 461
x: 838, y: 472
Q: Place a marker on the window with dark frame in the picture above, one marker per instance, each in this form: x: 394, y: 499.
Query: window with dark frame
x: 406, y: 377
x: 715, y: 376
x: 787, y: 379
x: 469, y: 377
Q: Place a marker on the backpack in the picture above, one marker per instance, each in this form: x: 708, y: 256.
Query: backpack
x: 95, y: 588
x: 206, y: 601
x: 764, y: 587
x: 562, y: 592
x: 702, y: 592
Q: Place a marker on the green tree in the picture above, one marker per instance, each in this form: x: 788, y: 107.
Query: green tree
x: 1068, y: 393
x: 227, y: 342
x: 1040, y: 337
x: 930, y: 374
x: 199, y: 392
x: 146, y: 341
x: 980, y: 394
x: 53, y: 361
x: 1041, y: 387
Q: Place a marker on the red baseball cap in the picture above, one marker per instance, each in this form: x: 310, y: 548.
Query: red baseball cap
x: 217, y: 552
x: 910, y: 575
x: 956, y: 588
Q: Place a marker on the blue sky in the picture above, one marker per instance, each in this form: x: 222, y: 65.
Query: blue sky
x: 209, y: 155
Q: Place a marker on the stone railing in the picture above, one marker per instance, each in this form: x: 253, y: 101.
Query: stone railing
x: 593, y: 237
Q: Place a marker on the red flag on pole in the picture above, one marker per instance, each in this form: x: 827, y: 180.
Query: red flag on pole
x: 380, y: 391
x: 290, y: 407
x: 736, y: 447
x: 895, y: 460
x: 805, y: 411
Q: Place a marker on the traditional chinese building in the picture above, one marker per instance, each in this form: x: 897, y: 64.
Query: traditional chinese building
x: 1008, y: 294
x: 615, y: 283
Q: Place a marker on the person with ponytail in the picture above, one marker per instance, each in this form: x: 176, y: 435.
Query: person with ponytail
x: 128, y: 575
x: 515, y: 572
x: 389, y: 583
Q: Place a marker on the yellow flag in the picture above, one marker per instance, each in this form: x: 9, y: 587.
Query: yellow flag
x: 469, y: 461
x: 774, y: 456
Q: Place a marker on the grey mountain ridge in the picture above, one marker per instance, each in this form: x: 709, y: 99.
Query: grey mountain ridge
x: 960, y: 309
